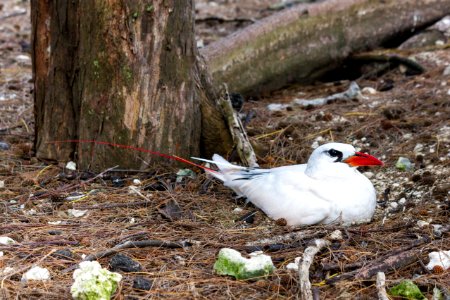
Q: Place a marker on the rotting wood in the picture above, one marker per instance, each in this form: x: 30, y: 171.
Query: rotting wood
x: 302, y: 43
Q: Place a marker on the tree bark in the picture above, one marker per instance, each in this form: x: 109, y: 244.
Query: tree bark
x: 302, y: 43
x: 118, y: 71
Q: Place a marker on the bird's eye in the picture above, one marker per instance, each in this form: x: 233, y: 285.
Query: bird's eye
x: 335, y: 153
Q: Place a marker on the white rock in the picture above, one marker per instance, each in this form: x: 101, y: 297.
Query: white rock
x: 76, y: 213
x: 369, y: 174
x: 294, y: 266
x: 393, y: 205
x: 446, y: 71
x: 418, y: 148
x: 2, y: 184
x: 36, y: 273
x: 402, y: 201
x: 237, y: 210
x: 5, y: 240
x: 1, y: 253
x: 71, y: 166
x: 422, y: 224
x: 315, y: 145
x: 137, y: 182
x: 23, y: 58
x: 276, y: 106
x: 336, y: 235
x: 54, y: 222
x: 6, y: 271
x: 439, y: 258
x: 369, y: 90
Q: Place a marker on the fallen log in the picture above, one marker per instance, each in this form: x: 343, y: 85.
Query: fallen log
x: 304, y: 42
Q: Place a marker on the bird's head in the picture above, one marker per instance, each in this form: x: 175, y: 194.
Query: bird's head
x: 342, y: 153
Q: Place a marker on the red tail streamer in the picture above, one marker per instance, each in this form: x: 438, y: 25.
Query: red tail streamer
x: 172, y: 157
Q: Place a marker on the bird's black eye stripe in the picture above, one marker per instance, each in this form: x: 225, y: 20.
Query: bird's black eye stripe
x: 336, y: 153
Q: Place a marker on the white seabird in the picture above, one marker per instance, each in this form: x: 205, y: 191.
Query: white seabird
x: 327, y: 189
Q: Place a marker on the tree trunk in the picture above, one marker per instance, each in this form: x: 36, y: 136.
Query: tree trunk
x: 302, y: 43
x: 118, y: 71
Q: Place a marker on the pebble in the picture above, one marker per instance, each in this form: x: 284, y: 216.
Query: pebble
x: 142, y: 284
x: 369, y: 174
x: 422, y: 224
x: 369, y: 90
x: 2, y: 184
x: 121, y: 262
x: 394, y: 205
x: 36, y: 273
x: 336, y: 235
x: 402, y: 201
x: 63, y: 253
x: 418, y: 148
x: 4, y: 146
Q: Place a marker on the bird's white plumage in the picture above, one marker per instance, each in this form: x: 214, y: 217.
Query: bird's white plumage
x: 320, y: 192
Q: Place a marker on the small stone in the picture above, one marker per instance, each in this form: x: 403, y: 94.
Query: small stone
x: 2, y: 184
x: 121, y: 262
x: 418, y: 148
x: 402, y: 201
x: 393, y: 205
x: 71, y: 166
x: 76, y: 213
x: 4, y: 146
x: 36, y: 273
x: 446, y: 71
x: 54, y: 232
x: 294, y: 265
x: 369, y: 90
x: 422, y: 224
x: 336, y: 235
x: 4, y: 240
x: 369, y: 174
x: 137, y: 182
x: 63, y: 253
x: 141, y: 283
x: 404, y: 164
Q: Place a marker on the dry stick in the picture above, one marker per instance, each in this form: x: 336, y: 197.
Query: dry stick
x: 135, y: 244
x: 237, y: 131
x: 303, y: 270
x: 381, y: 286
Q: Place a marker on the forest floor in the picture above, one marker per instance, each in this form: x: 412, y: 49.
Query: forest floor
x: 398, y: 115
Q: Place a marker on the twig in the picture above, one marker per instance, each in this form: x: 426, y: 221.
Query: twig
x: 289, y: 237
x: 224, y: 20
x: 135, y: 244
x: 237, y: 131
x: 381, y: 286
x: 305, y: 264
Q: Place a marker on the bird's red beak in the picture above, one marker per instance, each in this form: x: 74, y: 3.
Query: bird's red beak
x: 363, y: 159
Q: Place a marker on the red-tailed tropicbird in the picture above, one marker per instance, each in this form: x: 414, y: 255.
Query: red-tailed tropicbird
x: 327, y: 189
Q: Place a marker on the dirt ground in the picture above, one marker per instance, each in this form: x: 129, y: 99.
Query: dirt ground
x: 398, y: 115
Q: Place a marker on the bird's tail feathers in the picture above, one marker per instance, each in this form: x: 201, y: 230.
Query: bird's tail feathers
x: 225, y: 167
